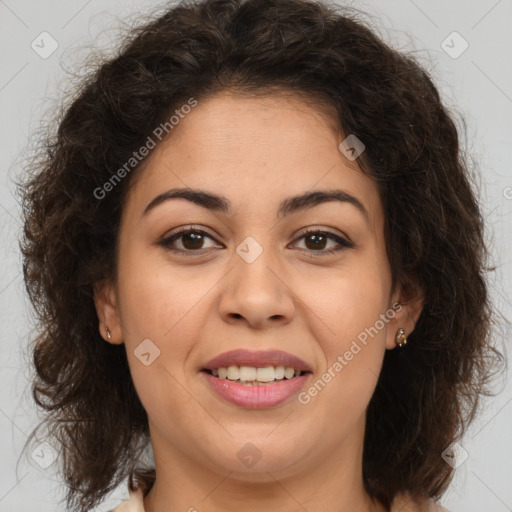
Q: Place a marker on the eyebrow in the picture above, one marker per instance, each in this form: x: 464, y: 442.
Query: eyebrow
x: 288, y: 206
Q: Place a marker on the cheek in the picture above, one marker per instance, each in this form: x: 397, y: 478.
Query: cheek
x: 348, y: 301
x: 349, y: 328
x: 162, y: 312
x: 154, y: 296
x: 353, y: 349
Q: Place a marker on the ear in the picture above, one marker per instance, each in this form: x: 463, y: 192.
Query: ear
x: 408, y: 300
x: 105, y: 303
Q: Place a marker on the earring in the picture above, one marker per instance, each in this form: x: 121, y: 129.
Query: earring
x: 109, y: 336
x: 401, y: 338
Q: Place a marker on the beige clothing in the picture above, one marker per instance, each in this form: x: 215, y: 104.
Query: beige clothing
x: 401, y: 503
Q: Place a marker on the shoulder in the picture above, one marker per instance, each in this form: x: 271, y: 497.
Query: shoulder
x: 135, y: 503
x: 405, y: 502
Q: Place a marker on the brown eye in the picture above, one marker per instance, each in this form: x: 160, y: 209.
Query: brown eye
x: 316, y: 241
x: 191, y: 240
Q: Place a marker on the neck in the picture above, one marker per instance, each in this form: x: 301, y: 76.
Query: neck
x: 334, y: 485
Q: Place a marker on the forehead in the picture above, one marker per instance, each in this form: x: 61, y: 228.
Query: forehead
x: 256, y: 151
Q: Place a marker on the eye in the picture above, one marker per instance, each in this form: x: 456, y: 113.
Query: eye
x: 191, y: 240
x: 316, y: 240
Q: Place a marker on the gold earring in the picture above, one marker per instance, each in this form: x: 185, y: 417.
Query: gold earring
x: 109, y: 336
x: 400, y: 338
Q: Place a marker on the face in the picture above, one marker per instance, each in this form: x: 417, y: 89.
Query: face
x: 248, y: 276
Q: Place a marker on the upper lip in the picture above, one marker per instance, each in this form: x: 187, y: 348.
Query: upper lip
x: 259, y: 358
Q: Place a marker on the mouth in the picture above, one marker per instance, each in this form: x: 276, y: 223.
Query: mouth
x: 256, y: 379
x: 256, y: 376
x: 251, y: 393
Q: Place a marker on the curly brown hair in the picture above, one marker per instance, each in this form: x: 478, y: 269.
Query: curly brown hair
x: 427, y: 393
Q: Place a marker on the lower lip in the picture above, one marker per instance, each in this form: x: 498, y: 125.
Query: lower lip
x: 256, y: 397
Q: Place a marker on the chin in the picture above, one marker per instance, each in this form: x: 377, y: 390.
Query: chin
x: 254, y: 459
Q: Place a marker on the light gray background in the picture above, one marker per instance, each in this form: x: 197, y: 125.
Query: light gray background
x: 477, y: 84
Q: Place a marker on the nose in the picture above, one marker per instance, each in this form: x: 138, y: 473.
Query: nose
x: 256, y: 293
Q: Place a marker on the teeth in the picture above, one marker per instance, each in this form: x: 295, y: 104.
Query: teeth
x: 251, y: 374
x: 247, y: 372
x: 289, y: 373
x: 233, y: 373
x: 265, y: 374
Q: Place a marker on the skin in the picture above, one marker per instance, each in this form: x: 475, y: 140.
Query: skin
x: 255, y: 152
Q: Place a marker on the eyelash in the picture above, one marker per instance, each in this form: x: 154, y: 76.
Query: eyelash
x: 345, y: 244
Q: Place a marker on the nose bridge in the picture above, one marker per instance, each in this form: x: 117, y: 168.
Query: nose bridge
x: 256, y: 290
x: 254, y: 261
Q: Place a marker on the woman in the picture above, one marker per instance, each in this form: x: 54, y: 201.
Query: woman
x: 249, y: 245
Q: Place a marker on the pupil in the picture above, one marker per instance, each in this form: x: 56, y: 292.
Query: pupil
x: 316, y: 245
x: 198, y: 240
